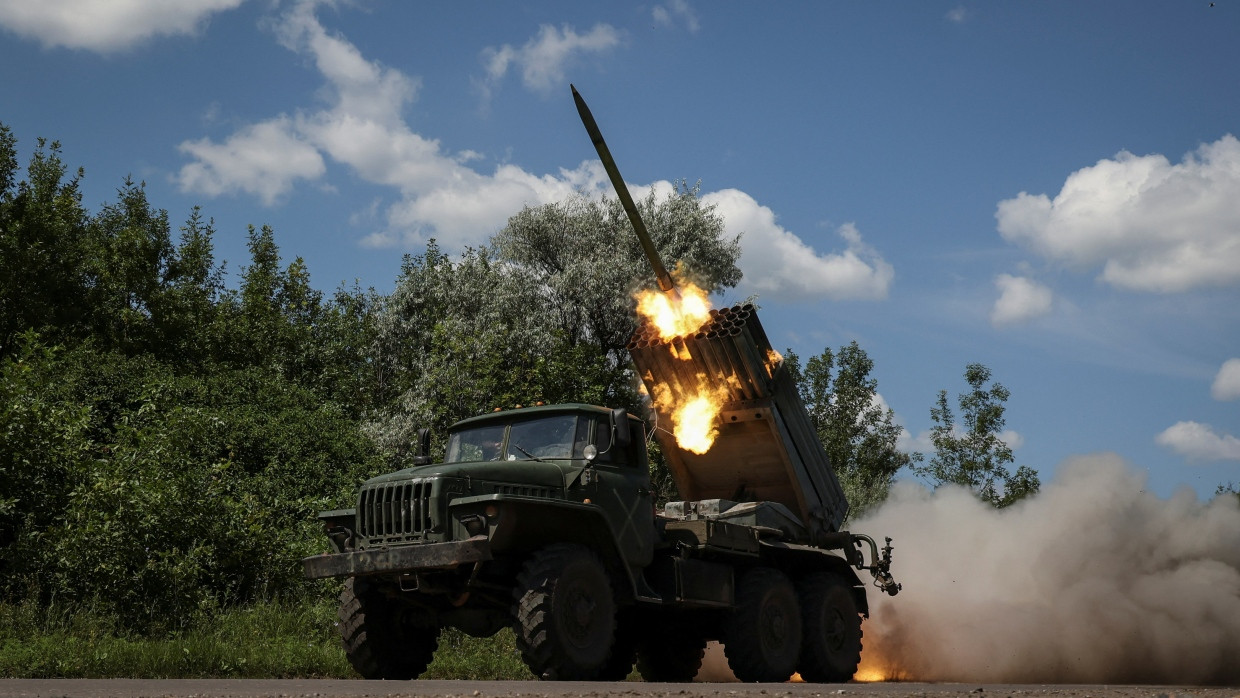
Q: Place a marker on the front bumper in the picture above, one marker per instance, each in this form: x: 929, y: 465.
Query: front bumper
x: 398, y: 560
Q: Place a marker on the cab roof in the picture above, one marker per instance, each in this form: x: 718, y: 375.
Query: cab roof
x: 524, y: 412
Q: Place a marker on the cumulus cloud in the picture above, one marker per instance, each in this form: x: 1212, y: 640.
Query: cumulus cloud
x: 542, y: 59
x: 362, y: 127
x: 779, y: 264
x: 1227, y: 383
x: 1151, y: 225
x: 107, y: 26
x: 262, y: 159
x: 957, y: 14
x: 1020, y: 300
x: 1199, y: 442
x: 668, y: 14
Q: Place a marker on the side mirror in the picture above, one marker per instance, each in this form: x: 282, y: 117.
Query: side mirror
x: 620, y: 423
x: 423, y: 456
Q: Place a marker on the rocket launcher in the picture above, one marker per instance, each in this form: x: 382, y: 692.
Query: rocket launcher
x: 766, y: 449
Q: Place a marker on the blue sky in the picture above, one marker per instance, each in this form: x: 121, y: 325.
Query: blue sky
x: 1051, y: 189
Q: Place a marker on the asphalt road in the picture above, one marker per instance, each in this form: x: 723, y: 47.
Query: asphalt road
x: 311, y: 688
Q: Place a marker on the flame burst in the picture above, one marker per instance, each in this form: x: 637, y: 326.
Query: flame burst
x: 693, y: 423
x: 675, y: 319
x: 694, y: 408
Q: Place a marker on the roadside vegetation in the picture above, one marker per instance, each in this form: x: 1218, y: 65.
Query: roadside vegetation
x: 166, y: 439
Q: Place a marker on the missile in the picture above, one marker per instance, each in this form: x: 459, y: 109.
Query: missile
x: 617, y: 182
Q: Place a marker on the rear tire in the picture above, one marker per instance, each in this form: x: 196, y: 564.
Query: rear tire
x: 379, y: 641
x: 762, y: 636
x: 565, y: 614
x: 831, y: 643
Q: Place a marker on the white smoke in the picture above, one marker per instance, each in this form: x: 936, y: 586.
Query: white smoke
x: 1093, y: 580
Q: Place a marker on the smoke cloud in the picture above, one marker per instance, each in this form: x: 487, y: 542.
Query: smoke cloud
x: 1094, y: 580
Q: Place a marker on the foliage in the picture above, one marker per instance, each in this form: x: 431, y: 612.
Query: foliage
x: 585, y: 254
x: 543, y: 315
x: 164, y: 441
x: 973, y: 455
x: 856, y: 428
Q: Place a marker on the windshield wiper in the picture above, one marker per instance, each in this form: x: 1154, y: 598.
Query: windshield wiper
x: 531, y: 455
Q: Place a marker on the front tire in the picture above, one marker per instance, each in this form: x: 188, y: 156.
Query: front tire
x: 379, y: 641
x: 564, y: 613
x: 831, y: 645
x: 762, y: 636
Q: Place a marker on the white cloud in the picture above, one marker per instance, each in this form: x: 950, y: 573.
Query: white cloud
x: 1227, y: 383
x: 1199, y: 442
x: 263, y: 159
x: 957, y: 14
x: 542, y: 59
x: 1020, y: 300
x: 777, y: 263
x: 106, y: 26
x: 362, y: 127
x: 1151, y: 225
x: 666, y: 15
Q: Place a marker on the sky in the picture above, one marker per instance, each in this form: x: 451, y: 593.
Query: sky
x: 1051, y: 189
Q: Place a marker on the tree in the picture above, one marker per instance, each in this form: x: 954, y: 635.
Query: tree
x: 584, y: 252
x: 44, y: 245
x: 856, y: 428
x: 973, y: 455
x: 543, y: 313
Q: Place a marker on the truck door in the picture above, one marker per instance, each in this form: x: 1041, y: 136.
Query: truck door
x: 623, y: 492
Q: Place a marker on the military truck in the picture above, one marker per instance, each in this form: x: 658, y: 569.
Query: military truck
x: 542, y: 519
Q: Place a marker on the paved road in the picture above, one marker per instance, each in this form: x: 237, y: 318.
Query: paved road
x: 310, y: 688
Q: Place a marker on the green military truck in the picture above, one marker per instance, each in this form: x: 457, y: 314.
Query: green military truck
x: 542, y: 519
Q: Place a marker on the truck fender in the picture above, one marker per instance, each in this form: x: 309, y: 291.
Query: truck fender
x: 520, y: 525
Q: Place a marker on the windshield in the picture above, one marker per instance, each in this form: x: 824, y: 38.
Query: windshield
x: 553, y: 436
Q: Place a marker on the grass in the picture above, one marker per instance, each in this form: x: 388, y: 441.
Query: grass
x: 273, y: 640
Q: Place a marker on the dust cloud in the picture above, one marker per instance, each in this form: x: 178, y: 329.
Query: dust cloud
x: 1094, y: 580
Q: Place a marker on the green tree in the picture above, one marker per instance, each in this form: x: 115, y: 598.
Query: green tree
x: 457, y: 338
x: 858, y: 431
x: 585, y: 255
x: 972, y: 454
x: 44, y: 245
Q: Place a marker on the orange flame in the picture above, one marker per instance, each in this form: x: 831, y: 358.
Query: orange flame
x: 672, y: 318
x: 875, y: 667
x: 694, y: 422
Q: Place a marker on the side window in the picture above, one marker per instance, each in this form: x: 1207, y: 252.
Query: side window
x: 602, y: 441
x: 581, y: 438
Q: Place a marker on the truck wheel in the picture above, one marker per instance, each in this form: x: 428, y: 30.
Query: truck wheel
x: 671, y: 654
x: 565, y: 615
x: 762, y: 635
x: 378, y: 642
x: 831, y: 644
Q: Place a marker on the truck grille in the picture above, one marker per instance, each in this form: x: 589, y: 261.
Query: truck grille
x: 397, y: 509
x: 525, y: 491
